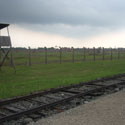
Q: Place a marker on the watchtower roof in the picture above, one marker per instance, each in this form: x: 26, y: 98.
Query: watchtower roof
x: 3, y: 25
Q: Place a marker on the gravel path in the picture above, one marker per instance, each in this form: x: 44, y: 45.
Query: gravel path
x: 108, y: 110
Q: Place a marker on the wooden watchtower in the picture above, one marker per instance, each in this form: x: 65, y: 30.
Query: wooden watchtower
x: 5, y: 47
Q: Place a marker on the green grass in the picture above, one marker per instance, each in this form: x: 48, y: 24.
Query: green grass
x: 40, y: 77
x: 21, y: 57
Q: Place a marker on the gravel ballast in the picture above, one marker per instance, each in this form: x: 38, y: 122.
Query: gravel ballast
x: 107, y: 110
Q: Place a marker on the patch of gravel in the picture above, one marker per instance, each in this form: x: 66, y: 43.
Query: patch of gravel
x: 107, y: 110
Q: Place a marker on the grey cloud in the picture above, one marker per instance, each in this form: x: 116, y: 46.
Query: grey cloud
x: 87, y: 14
x: 80, y: 31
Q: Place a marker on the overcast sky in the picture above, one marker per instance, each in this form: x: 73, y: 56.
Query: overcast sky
x: 75, y: 23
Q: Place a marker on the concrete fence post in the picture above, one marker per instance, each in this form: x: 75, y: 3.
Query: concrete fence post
x: 29, y: 52
x: 60, y: 56
x: 111, y: 54
x: 94, y: 53
x: 103, y: 53
x: 84, y: 53
x: 72, y: 54
x: 118, y: 53
x: 46, y: 56
x: 0, y: 53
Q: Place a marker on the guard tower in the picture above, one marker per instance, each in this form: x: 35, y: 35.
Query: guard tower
x: 5, y: 47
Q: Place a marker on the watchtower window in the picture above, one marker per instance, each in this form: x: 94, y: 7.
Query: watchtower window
x: 5, y: 41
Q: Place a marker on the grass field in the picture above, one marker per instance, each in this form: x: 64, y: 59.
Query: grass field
x: 53, y: 56
x: 40, y: 77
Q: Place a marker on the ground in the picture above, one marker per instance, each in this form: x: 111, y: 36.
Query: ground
x: 108, y: 110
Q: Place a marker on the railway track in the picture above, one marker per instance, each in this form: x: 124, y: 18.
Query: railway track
x: 37, y: 104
